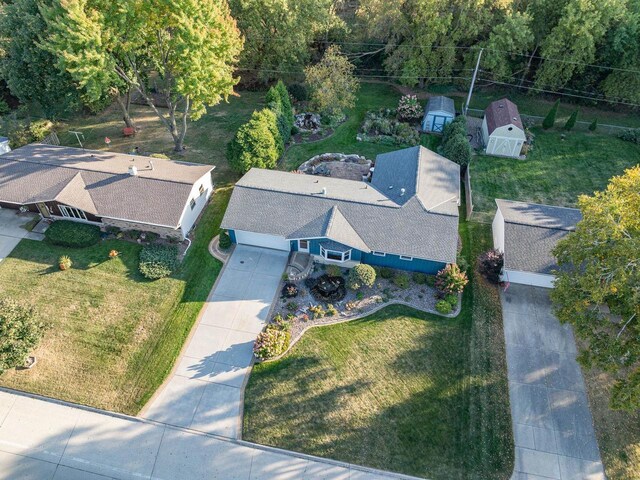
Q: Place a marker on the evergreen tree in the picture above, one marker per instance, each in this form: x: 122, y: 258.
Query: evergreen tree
x: 550, y: 120
x: 571, y: 121
x: 594, y: 125
x: 257, y: 143
x: 277, y: 100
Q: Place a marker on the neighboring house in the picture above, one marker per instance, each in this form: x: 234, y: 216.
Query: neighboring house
x: 440, y: 111
x: 527, y: 233
x: 130, y: 192
x: 406, y: 218
x: 502, y: 129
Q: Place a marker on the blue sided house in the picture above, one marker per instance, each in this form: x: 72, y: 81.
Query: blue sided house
x: 405, y: 217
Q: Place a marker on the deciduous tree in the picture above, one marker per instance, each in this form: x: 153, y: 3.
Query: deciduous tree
x: 20, y: 332
x: 598, y: 286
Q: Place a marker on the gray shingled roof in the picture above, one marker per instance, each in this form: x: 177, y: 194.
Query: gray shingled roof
x: 442, y: 104
x: 432, y: 178
x: 531, y: 232
x: 353, y: 213
x: 99, y: 183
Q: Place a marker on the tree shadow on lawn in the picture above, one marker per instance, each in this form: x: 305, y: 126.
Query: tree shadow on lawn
x: 416, y: 421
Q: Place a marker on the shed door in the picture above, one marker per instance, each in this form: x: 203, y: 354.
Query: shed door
x: 438, y: 123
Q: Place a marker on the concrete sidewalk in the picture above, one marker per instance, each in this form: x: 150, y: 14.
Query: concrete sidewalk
x: 552, y: 424
x: 48, y: 440
x: 204, y: 393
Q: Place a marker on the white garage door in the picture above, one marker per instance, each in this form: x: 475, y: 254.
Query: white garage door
x: 262, y: 240
x: 528, y: 278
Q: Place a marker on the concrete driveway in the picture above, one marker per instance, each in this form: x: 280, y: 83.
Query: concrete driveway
x: 49, y: 440
x: 12, y: 231
x: 552, y: 424
x: 204, y: 393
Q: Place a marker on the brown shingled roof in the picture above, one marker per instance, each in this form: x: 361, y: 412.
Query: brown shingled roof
x: 502, y: 112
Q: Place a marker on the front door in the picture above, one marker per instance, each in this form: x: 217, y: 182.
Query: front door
x: 44, y: 210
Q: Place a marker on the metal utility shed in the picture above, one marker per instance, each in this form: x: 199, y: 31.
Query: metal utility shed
x: 440, y: 111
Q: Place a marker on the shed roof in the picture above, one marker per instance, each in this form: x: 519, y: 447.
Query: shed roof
x: 441, y: 104
x: 99, y: 183
x: 501, y: 113
x: 532, y: 231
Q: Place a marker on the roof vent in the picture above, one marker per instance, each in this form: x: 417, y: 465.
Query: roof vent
x: 515, y: 118
x: 390, y: 187
x: 324, y: 191
x: 402, y: 190
x: 133, y: 170
x: 501, y: 106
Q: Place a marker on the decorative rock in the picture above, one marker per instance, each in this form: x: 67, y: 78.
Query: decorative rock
x: 309, y: 122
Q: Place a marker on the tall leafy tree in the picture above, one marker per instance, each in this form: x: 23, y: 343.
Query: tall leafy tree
x: 279, y: 33
x: 332, y: 84
x: 508, y: 42
x: 31, y: 72
x: 182, y: 51
x: 598, y: 286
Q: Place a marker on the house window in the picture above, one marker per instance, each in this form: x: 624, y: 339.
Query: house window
x: 72, y: 212
x: 303, y: 245
x: 404, y: 257
x: 201, y: 189
x: 335, y: 255
x: 192, y: 203
x: 379, y: 254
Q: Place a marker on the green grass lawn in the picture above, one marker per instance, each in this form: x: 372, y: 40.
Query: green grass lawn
x: 205, y: 142
x: 555, y: 172
x: 399, y: 390
x: 113, y: 335
x: 371, y: 96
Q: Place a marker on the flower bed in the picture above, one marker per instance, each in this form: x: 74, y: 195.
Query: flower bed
x: 382, y: 126
x: 305, y: 310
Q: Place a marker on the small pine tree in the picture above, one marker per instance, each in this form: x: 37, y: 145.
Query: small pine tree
x: 571, y: 121
x: 257, y: 143
x: 594, y: 125
x: 287, y: 109
x: 550, y: 119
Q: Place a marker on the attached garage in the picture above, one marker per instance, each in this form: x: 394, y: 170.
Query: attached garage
x: 526, y: 233
x: 440, y: 111
x: 262, y: 240
x: 502, y: 129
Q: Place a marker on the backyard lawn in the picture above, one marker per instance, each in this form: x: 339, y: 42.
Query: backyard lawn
x: 555, y: 172
x: 113, y: 335
x: 400, y: 390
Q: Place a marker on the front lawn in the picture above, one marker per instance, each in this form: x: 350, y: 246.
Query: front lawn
x: 555, y: 172
x: 399, y: 390
x: 114, y: 335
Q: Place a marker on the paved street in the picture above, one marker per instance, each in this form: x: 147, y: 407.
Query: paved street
x: 45, y: 440
x: 552, y: 424
x: 204, y: 392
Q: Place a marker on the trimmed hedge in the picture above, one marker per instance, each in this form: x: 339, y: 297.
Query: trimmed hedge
x: 158, y: 261
x: 72, y: 234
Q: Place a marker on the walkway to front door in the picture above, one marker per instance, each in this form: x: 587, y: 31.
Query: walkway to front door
x: 204, y: 392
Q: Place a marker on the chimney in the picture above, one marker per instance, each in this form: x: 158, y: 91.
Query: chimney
x: 402, y: 190
x: 133, y: 170
x: 324, y: 191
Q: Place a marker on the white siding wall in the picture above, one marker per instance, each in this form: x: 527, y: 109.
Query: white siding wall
x: 498, y: 231
x: 189, y: 216
x: 504, y: 142
x: 485, y: 131
x: 528, y: 278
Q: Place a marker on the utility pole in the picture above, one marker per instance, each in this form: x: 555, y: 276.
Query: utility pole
x: 473, y: 82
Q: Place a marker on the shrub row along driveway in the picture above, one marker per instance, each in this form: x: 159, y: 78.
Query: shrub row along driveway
x: 204, y: 391
x: 552, y: 423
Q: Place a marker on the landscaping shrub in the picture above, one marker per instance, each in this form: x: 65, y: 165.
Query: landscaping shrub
x: 112, y: 231
x: 571, y: 121
x: 451, y: 280
x: 550, y: 119
x: 451, y: 299
x: 444, y: 307
x: 457, y: 127
x: 277, y: 100
x: 20, y: 332
x: 419, y: 278
x: 72, y: 234
x: 462, y: 263
x: 458, y: 150
x: 405, y: 134
x: 401, y: 280
x: 257, y: 143
x: 281, y: 323
x: 133, y: 234
x: 386, y: 272
x: 158, y: 261
x: 431, y: 280
x: 273, y: 341
x: 64, y: 262
x: 151, y: 237
x: 360, y: 276
x: 292, y: 306
x: 409, y: 108
x: 631, y: 135
x: 334, y: 271
x: 224, y: 240
x: 317, y: 311
x: 594, y: 125
x: 490, y: 265
x: 289, y: 290
x: 21, y: 134
x: 331, y: 310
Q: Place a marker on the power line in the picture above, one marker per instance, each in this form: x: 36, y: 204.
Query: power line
x: 416, y: 77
